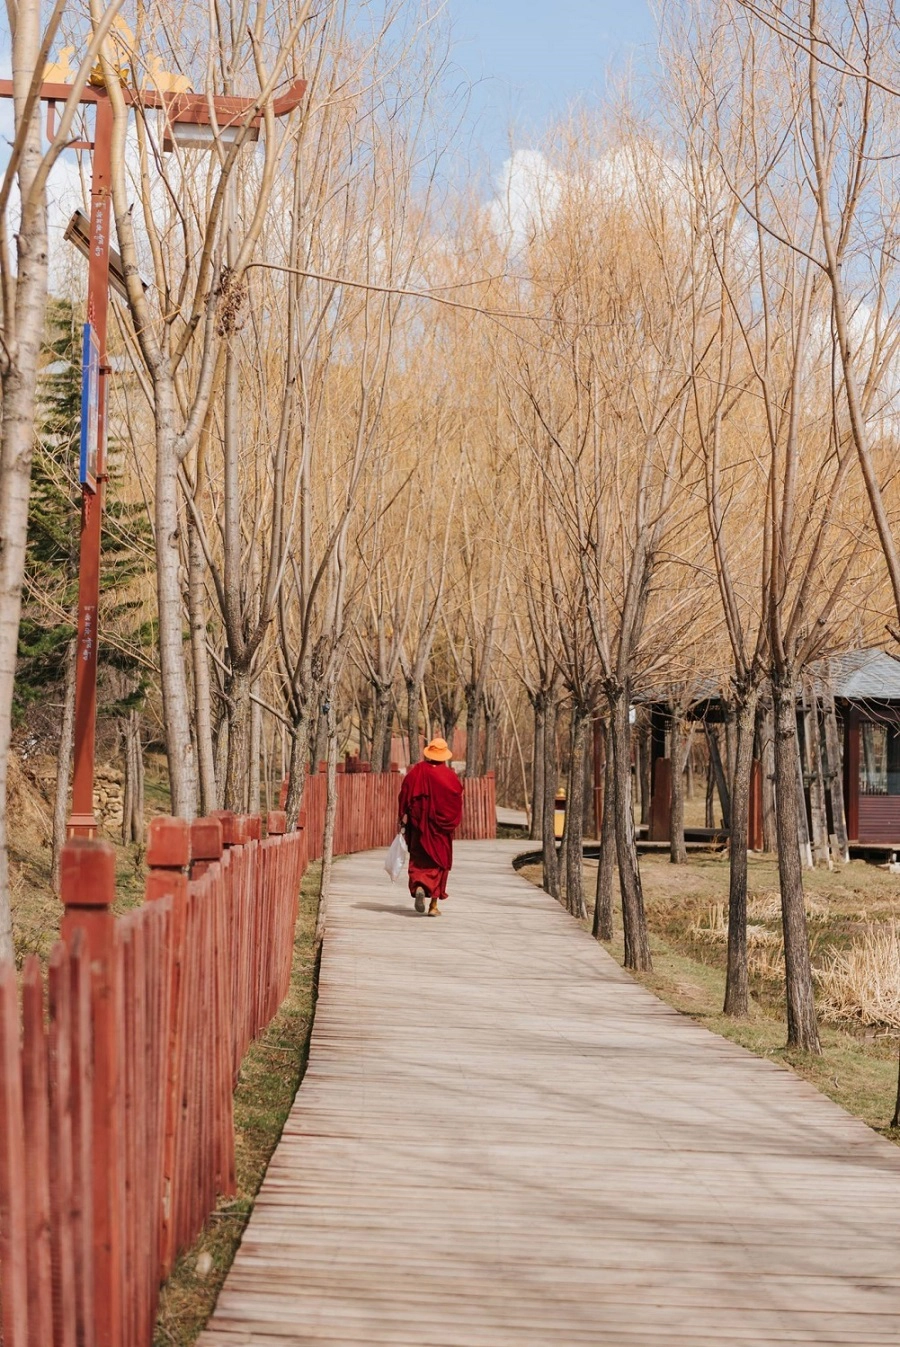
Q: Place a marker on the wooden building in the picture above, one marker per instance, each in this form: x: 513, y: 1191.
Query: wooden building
x: 851, y: 778
x: 866, y: 686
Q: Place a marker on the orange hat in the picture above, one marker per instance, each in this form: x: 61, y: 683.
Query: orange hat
x: 438, y: 751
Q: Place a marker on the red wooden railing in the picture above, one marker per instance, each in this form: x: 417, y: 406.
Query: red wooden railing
x: 117, y: 1077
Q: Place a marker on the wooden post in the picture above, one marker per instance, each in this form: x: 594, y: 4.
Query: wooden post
x: 661, y: 800
x: 88, y: 891
x: 168, y: 854
x: 227, y: 819
x: 814, y: 774
x: 599, y: 747
x: 206, y: 845
x: 851, y: 772
x: 803, y: 838
x: 251, y: 825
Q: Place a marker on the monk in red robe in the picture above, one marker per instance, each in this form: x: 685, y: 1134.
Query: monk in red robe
x: 431, y: 804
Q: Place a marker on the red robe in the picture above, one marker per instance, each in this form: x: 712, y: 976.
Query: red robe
x: 431, y: 798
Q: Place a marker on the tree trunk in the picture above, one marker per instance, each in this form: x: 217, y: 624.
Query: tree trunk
x: 133, y: 810
x: 588, y: 821
x: 365, y: 738
x: 813, y: 745
x: 710, y: 793
x: 490, y: 739
x: 220, y: 745
x: 173, y: 678
x: 299, y: 763
x: 603, y: 903
x: 730, y: 741
x: 765, y: 729
x: 381, y: 709
x: 718, y: 771
x: 574, y: 814
x: 634, y: 921
x: 319, y: 748
x: 64, y: 766
x: 387, y: 751
x: 550, y: 857
x: 680, y: 743
x: 137, y: 825
x: 268, y: 755
x: 834, y: 776
x: 331, y: 802
x: 203, y: 718
x: 23, y: 338
x: 803, y: 840
x: 473, y: 724
x: 256, y: 733
x: 537, y: 768
x: 801, y: 1011
x: 237, y: 773
x: 737, y: 987
x: 413, y: 700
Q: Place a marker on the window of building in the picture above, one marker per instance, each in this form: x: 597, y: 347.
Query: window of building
x: 879, y: 759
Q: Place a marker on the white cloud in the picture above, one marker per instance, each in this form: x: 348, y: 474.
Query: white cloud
x: 528, y: 192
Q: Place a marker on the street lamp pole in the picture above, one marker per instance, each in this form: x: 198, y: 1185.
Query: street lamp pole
x: 189, y: 119
x: 82, y: 822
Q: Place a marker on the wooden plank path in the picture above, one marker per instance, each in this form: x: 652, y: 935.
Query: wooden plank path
x: 502, y: 1141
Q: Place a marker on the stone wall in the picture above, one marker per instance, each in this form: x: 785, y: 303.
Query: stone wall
x: 109, y: 796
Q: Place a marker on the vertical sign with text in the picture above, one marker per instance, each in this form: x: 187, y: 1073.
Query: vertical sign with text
x: 90, y: 408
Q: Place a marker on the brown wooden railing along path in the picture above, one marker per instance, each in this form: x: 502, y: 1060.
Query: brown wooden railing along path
x: 117, y: 1077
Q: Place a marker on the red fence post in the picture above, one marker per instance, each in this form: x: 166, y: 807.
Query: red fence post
x: 168, y: 853
x: 227, y: 819
x: 276, y: 823
x: 168, y: 856
x: 88, y: 888
x: 206, y: 845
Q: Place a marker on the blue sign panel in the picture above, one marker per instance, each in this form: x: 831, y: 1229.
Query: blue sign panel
x: 90, y: 407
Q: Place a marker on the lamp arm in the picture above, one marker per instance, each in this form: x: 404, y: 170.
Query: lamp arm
x: 75, y: 95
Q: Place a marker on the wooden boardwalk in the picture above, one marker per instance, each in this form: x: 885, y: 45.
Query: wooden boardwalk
x: 502, y: 1141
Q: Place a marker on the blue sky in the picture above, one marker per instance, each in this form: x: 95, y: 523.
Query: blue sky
x: 530, y: 58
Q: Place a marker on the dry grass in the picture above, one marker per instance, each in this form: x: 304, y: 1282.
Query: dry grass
x: 862, y: 984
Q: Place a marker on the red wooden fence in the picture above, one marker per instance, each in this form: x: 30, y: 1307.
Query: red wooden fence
x: 117, y: 1075
x: 367, y: 810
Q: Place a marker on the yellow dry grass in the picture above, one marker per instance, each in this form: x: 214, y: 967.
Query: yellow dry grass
x: 862, y: 983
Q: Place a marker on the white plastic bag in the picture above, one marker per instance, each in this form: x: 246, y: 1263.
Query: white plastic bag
x: 398, y: 855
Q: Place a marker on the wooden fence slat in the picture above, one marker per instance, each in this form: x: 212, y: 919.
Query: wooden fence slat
x: 13, y: 1197
x: 62, y: 1158
x: 35, y: 1112
x: 88, y: 877
x: 82, y: 1137
x: 116, y: 1108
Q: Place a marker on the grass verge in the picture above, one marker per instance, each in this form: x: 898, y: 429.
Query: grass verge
x: 270, y: 1074
x: 858, y: 1065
